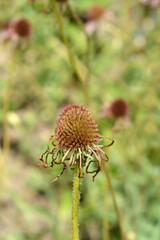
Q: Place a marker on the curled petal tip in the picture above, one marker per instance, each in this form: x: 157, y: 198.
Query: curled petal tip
x: 39, y: 165
x: 42, y: 166
x: 54, y: 180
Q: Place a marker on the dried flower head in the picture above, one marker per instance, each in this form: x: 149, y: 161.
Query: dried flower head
x: 62, y: 1
x: 8, y: 33
x: 116, y: 109
x: 76, y: 140
x: 95, y: 12
x: 119, y: 108
x: 22, y: 28
x: 150, y: 3
x: 4, y: 25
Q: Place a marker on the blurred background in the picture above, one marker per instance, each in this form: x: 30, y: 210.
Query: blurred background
x: 116, y: 45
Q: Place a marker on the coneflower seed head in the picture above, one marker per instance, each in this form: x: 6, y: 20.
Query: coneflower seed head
x: 76, y: 141
x: 76, y: 128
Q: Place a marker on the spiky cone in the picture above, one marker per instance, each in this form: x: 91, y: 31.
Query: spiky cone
x: 76, y: 140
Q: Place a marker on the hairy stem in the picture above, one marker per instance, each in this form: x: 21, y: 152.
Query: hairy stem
x: 70, y: 54
x: 75, y: 203
x: 114, y: 202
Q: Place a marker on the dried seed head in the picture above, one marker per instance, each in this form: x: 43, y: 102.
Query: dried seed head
x: 22, y: 28
x: 95, y: 12
x: 76, y: 128
x: 119, y: 108
x: 8, y: 33
x: 62, y: 1
x: 76, y: 141
x: 4, y: 25
x: 150, y: 3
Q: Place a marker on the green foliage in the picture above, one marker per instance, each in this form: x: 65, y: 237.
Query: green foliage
x: 124, y: 62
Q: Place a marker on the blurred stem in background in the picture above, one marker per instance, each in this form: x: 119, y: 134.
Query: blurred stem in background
x: 80, y: 23
x: 70, y: 54
x: 127, y: 18
x: 6, y: 102
x: 106, y: 171
x: 105, y: 223
x: 75, y: 203
x: 127, y: 25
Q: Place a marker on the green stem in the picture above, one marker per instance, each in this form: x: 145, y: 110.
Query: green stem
x: 105, y: 223
x: 75, y: 204
x: 5, y: 121
x: 6, y: 102
x: 70, y: 54
x: 80, y: 23
x: 122, y: 237
x: 127, y: 23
